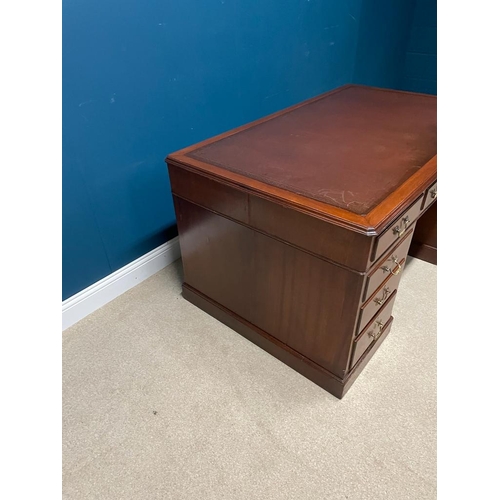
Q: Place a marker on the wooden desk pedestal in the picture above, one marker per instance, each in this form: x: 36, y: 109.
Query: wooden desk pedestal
x: 295, y: 229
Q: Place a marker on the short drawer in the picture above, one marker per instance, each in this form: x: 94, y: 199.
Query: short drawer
x: 373, y: 331
x: 398, y: 229
x: 389, y: 265
x: 430, y: 196
x: 373, y: 305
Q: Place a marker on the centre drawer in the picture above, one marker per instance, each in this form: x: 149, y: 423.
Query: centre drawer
x: 430, y: 196
x: 373, y: 331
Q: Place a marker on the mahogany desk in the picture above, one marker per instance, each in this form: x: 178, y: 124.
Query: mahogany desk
x: 294, y: 229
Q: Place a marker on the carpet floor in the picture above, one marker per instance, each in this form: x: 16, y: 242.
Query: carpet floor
x: 161, y: 401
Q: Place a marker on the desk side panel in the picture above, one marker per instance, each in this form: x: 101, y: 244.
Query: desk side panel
x: 302, y: 301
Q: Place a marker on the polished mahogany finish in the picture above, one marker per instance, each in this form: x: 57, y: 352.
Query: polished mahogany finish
x: 294, y: 229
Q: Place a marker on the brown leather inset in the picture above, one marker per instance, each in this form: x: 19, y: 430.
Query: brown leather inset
x: 350, y: 149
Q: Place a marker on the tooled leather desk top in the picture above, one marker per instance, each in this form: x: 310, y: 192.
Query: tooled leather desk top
x: 349, y: 149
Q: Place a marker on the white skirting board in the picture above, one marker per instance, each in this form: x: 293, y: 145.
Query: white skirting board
x: 95, y: 296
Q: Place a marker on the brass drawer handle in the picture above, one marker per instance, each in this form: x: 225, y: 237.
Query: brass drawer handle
x: 400, y: 232
x: 434, y: 193
x: 385, y: 295
x: 376, y: 335
x: 394, y: 259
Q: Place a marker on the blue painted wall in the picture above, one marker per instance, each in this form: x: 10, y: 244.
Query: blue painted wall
x: 397, y: 45
x: 420, y: 66
x: 383, y: 38
x: 143, y: 78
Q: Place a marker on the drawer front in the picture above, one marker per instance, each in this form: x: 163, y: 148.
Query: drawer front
x: 373, y: 305
x: 388, y: 266
x: 398, y: 229
x: 385, y: 330
x: 373, y: 331
x: 430, y: 196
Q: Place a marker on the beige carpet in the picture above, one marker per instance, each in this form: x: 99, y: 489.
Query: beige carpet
x: 161, y: 401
